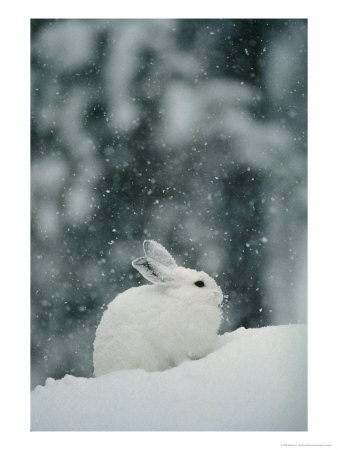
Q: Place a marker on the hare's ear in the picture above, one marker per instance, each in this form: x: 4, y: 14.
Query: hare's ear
x: 151, y: 270
x: 158, y: 253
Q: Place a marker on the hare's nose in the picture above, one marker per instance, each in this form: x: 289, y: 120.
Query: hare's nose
x: 217, y: 292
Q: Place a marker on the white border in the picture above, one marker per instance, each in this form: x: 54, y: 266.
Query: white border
x: 15, y: 209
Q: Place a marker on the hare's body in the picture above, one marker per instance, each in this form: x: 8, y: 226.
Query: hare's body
x: 155, y: 327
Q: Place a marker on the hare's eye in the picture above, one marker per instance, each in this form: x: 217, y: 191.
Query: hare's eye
x: 199, y: 283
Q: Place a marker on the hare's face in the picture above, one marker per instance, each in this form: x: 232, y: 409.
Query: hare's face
x: 159, y: 267
x: 189, y: 284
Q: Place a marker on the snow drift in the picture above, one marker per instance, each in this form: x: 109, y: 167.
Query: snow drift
x: 255, y: 381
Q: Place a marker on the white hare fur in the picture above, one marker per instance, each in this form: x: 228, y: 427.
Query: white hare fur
x: 156, y: 327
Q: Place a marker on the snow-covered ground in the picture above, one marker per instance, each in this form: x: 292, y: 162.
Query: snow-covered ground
x: 255, y: 380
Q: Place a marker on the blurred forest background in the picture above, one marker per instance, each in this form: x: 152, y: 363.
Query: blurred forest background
x: 189, y: 132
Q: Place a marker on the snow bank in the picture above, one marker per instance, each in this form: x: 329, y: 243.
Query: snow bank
x: 255, y: 380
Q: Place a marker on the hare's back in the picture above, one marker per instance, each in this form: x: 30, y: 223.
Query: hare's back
x: 129, y: 309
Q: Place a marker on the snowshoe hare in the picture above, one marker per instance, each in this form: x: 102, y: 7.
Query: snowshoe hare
x: 156, y: 327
